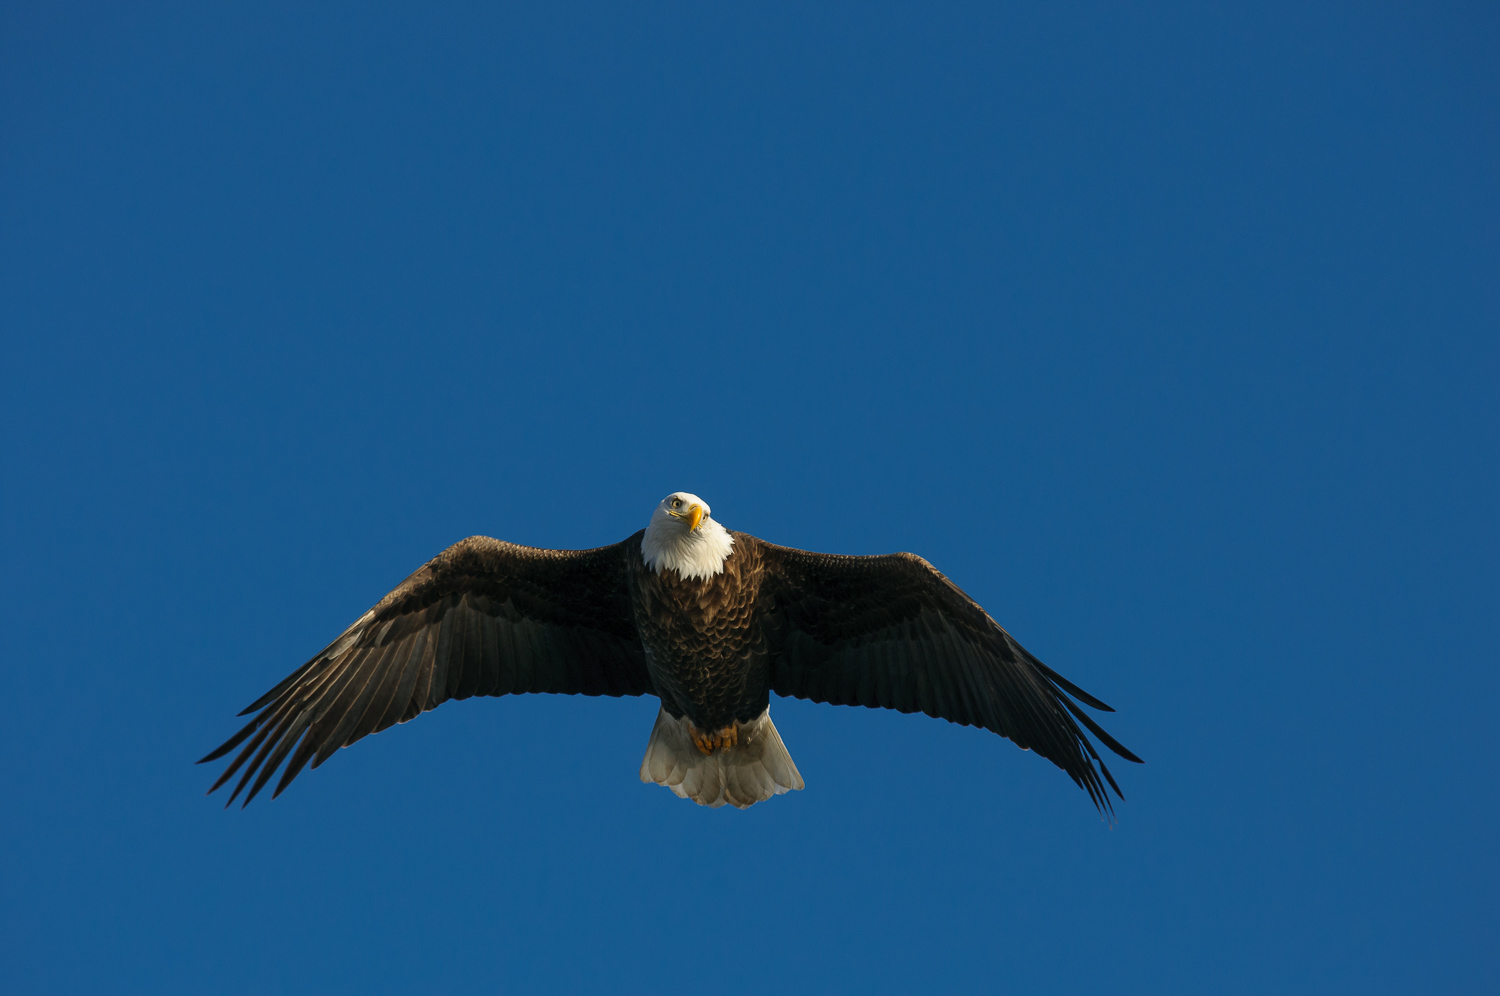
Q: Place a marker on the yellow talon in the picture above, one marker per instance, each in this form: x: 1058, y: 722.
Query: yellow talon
x: 708, y: 742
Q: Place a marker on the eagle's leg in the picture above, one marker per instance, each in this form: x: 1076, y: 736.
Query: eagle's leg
x: 708, y: 741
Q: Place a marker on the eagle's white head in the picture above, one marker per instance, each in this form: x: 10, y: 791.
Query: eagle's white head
x: 683, y: 538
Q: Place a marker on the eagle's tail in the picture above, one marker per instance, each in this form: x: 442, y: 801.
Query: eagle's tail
x: 755, y: 766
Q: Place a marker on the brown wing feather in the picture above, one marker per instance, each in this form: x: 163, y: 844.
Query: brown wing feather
x: 892, y: 632
x: 483, y: 617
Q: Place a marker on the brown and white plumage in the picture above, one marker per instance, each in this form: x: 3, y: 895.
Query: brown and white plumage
x: 710, y: 621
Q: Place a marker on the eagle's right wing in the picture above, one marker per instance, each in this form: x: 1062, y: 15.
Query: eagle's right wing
x: 483, y: 617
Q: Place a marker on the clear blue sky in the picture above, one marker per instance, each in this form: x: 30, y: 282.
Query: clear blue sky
x: 1168, y: 333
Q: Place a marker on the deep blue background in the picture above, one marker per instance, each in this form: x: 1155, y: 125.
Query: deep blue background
x: 1171, y: 335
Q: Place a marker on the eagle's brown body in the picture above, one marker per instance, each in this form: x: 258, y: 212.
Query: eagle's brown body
x: 705, y: 644
x: 487, y: 617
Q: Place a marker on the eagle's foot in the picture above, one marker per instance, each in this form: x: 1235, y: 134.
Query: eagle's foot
x: 707, y: 742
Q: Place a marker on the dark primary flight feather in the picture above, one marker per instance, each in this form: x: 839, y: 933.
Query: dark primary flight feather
x: 892, y: 632
x: 484, y: 617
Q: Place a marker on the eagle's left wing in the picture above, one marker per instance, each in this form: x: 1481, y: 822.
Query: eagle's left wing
x: 892, y: 632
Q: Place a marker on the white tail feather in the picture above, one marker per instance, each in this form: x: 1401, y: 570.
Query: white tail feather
x: 755, y: 768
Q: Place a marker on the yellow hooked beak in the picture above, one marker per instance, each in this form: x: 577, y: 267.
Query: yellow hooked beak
x: 694, y: 516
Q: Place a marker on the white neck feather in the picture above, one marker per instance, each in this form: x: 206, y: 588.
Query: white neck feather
x: 668, y: 546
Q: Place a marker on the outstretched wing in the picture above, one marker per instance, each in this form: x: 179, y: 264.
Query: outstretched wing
x: 892, y: 632
x: 483, y: 617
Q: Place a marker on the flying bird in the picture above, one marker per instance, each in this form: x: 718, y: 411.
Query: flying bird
x: 709, y: 620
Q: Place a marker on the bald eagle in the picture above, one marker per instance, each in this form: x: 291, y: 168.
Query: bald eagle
x: 708, y: 620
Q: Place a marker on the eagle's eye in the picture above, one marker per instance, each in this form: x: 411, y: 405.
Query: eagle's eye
x: 676, y: 502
